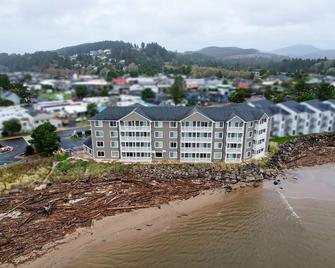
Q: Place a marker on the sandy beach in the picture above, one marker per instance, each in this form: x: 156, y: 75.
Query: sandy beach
x: 128, y: 226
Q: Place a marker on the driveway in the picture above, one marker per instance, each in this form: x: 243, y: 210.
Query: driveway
x: 19, y: 147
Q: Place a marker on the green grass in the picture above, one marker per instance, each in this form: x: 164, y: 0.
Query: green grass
x: 281, y: 140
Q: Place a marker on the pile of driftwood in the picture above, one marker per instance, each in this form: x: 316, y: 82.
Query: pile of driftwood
x: 32, y: 218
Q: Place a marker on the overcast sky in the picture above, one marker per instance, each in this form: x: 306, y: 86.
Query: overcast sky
x: 30, y: 25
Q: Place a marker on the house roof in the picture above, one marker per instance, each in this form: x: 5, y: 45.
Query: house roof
x: 296, y: 107
x: 319, y: 105
x: 88, y: 142
x: 268, y: 107
x: 177, y: 113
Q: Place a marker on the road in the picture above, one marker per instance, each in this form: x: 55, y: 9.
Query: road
x: 19, y: 147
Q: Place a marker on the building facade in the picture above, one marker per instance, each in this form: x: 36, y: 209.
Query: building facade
x: 230, y: 134
x: 291, y: 118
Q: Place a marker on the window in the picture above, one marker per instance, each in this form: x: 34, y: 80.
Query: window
x: 158, y: 154
x: 158, y: 134
x: 250, y: 133
x: 98, y: 123
x: 218, y: 155
x: 113, y: 134
x: 158, y: 144
x: 217, y: 145
x: 112, y: 123
x: 101, y: 154
x: 173, y: 124
x: 173, y: 155
x: 158, y: 124
x: 248, y: 154
x: 114, y: 144
x: 249, y: 144
x: 115, y: 154
x: 100, y: 144
x: 173, y: 145
x: 219, y: 124
x: 173, y: 134
x: 218, y: 135
x: 99, y: 133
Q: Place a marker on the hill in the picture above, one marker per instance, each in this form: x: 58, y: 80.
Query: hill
x: 305, y: 52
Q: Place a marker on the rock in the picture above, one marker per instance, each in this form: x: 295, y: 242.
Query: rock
x: 40, y: 187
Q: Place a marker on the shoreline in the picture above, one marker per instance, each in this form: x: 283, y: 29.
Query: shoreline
x: 128, y: 226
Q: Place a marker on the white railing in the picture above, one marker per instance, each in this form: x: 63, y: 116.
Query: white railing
x: 142, y: 129
x: 195, y: 160
x: 261, y: 126
x: 134, y: 139
x: 196, y: 129
x: 235, y: 129
x: 196, y: 150
x: 136, y: 149
x: 233, y: 150
x: 236, y: 140
x: 204, y: 140
x: 136, y: 159
x: 233, y: 160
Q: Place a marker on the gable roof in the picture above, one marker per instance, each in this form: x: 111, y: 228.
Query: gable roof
x: 297, y: 107
x: 319, y: 105
x: 269, y: 107
x: 177, y: 113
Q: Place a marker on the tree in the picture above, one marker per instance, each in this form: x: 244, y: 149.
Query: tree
x: 29, y: 150
x: 4, y: 81
x: 11, y: 127
x: 45, y: 139
x: 148, y: 94
x: 4, y: 102
x: 240, y: 96
x: 81, y: 91
x: 91, y: 109
x: 177, y: 91
x: 325, y: 91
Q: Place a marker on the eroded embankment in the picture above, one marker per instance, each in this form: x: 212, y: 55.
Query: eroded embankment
x: 30, y: 219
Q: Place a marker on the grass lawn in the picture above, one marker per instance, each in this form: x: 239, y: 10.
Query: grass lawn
x: 281, y: 140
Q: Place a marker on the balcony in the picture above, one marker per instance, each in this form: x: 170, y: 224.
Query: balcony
x: 136, y: 149
x: 233, y: 160
x: 196, y: 150
x: 233, y: 150
x: 235, y: 129
x: 186, y: 139
x: 235, y: 140
x: 134, y: 139
x: 196, y: 129
x: 136, y: 129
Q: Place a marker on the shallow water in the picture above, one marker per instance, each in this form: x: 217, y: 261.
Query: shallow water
x: 265, y: 227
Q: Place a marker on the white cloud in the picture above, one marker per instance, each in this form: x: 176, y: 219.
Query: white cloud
x: 178, y: 25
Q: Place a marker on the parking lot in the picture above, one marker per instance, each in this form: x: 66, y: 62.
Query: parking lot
x: 19, y: 147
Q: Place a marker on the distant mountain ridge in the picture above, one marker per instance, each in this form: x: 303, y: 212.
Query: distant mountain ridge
x: 231, y: 53
x: 305, y: 52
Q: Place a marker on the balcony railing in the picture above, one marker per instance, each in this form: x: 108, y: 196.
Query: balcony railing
x: 136, y: 149
x: 202, y: 139
x: 134, y: 139
x: 237, y: 140
x: 133, y: 128
x: 233, y: 150
x: 196, y: 129
x: 233, y: 160
x: 235, y: 129
x: 196, y: 150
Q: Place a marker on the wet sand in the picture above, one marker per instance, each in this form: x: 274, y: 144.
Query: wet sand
x: 128, y: 227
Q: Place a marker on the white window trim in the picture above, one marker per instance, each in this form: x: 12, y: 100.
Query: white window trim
x: 115, y: 152
x: 216, y: 135
x: 175, y: 134
x: 97, y: 135
x: 173, y: 126
x: 100, y: 156
x: 100, y: 123
x: 96, y: 143
x: 159, y: 142
x: 174, y: 157
x: 216, y: 145
x: 160, y: 136
x: 218, y: 125
x: 112, y: 122
x: 117, y: 134
x: 173, y: 147
x: 217, y: 158
x: 117, y: 144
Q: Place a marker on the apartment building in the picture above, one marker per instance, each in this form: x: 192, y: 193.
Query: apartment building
x: 292, y: 118
x: 230, y: 134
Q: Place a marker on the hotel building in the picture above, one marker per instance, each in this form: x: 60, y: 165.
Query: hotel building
x: 230, y: 134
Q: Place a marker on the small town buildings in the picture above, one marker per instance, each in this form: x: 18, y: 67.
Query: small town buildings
x: 230, y: 134
x: 7, y: 95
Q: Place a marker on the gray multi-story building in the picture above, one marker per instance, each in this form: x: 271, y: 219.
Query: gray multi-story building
x: 230, y: 134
